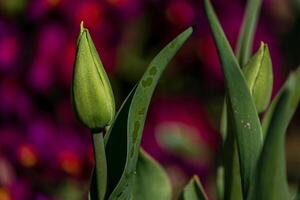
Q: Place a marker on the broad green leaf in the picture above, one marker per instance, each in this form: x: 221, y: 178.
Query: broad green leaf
x: 244, y: 47
x: 150, y: 182
x: 292, y: 84
x: 116, y: 145
x: 245, y: 40
x: 246, y: 124
x: 193, y: 190
x: 270, y: 181
x: 128, y: 152
x: 259, y: 76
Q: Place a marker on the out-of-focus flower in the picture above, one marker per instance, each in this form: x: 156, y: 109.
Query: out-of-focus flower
x: 14, y: 101
x: 129, y: 9
x: 27, y: 155
x: 9, y: 51
x: 7, y: 175
x: 91, y: 12
x: 180, y: 13
x: 70, y: 162
x: 5, y: 194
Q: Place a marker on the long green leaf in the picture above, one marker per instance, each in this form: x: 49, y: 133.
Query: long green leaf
x: 193, y: 190
x: 150, y: 182
x: 270, y: 180
x: 243, y: 52
x: 245, y: 40
x: 232, y: 181
x: 116, y: 145
x: 292, y: 84
x: 122, y: 183
x: 245, y: 118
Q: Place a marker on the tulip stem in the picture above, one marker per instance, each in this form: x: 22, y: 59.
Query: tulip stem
x: 99, y: 176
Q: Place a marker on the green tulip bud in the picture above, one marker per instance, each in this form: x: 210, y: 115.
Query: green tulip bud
x: 259, y: 76
x: 92, y: 96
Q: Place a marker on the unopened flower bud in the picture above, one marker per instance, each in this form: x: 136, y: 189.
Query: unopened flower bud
x: 259, y: 76
x: 92, y: 96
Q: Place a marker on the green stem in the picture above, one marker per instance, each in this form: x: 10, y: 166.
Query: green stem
x: 99, y: 177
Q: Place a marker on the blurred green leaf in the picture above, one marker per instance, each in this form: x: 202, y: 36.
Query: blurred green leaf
x: 193, y: 190
x: 270, y: 181
x: 179, y: 139
x: 297, y: 196
x: 245, y: 40
x: 292, y: 84
x: 246, y: 124
x: 259, y: 76
x: 150, y: 182
x: 220, y: 182
x: 123, y: 141
x: 13, y: 7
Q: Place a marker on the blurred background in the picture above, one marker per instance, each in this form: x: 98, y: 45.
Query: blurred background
x: 45, y: 154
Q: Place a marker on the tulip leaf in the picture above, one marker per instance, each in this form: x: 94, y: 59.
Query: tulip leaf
x: 193, y: 190
x: 246, y: 124
x: 123, y: 158
x: 245, y: 40
x: 151, y: 181
x: 116, y: 145
x: 292, y: 84
x: 270, y: 181
x: 232, y: 177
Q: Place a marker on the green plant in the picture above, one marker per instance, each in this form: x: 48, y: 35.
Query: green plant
x: 253, y: 162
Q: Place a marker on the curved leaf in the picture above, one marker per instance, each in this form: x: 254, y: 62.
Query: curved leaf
x: 193, y: 190
x: 292, y: 84
x: 116, y: 145
x: 270, y: 181
x: 122, y: 183
x: 151, y: 181
x: 246, y: 123
x: 245, y: 40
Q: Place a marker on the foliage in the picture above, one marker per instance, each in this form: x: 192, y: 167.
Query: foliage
x: 253, y: 151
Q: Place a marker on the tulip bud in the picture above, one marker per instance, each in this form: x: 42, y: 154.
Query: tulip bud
x: 259, y: 76
x: 92, y: 96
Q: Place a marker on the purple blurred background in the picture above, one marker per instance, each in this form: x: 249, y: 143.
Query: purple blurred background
x: 45, y: 154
